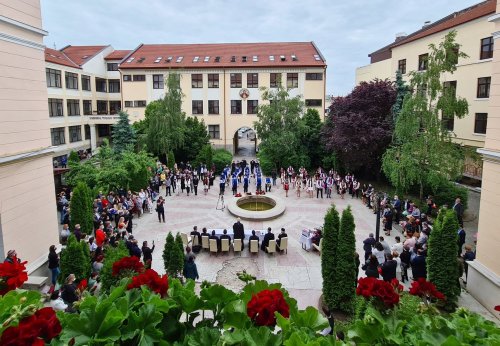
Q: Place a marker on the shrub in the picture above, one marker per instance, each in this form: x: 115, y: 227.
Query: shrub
x: 74, y: 260
x: 445, y: 192
x: 112, y: 255
x: 73, y: 157
x: 205, y: 156
x: 408, y: 306
x: 442, y: 265
x: 221, y: 158
x: 173, y: 255
x: 170, y: 160
x: 328, y: 256
x: 81, y: 209
x: 266, y: 164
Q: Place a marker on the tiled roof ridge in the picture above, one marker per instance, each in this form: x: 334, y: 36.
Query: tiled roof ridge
x: 101, y: 48
x: 51, y: 51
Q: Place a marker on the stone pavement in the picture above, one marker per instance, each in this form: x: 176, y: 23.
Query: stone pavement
x: 299, y: 271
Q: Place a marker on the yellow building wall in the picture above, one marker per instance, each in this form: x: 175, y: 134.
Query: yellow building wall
x: 380, y: 70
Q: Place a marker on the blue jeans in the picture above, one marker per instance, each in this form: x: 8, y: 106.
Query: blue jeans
x: 55, y: 273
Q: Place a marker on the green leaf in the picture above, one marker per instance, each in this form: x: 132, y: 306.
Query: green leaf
x: 203, y: 336
x: 142, y: 325
x: 251, y: 337
x: 309, y: 318
x: 235, y: 315
x: 185, y: 296
x: 216, y: 295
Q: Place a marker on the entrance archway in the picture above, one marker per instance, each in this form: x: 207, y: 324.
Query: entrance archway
x: 245, y: 142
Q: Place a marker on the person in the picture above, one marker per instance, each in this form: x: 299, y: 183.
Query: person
x: 224, y: 235
x: 65, y: 233
x: 387, y: 220
x: 378, y: 251
x: 189, y: 254
x: 397, y: 209
x: 460, y: 240
x: 239, y: 232
x: 371, y: 267
x: 100, y: 236
x: 368, y: 244
x: 319, y: 188
x: 281, y: 235
x: 213, y: 236
x: 56, y: 302
x: 78, y: 233
x: 430, y: 205
x: 160, y: 209
x: 190, y: 271
x: 195, y: 182
x: 459, y: 210
x: 418, y: 265
x: 134, y: 249
x: 316, y: 238
x: 253, y: 237
x: 92, y: 245
x: 286, y: 187
x: 268, y: 184
x: 97, y: 265
x: 387, y: 248
x: 265, y: 242
x: 389, y: 268
x: 398, y: 246
x: 470, y: 256
x: 54, y: 264
x: 222, y: 184
x: 147, y: 254
x: 69, y: 294
x: 196, y: 235
x: 11, y: 257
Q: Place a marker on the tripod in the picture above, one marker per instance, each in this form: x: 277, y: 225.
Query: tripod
x: 221, y: 202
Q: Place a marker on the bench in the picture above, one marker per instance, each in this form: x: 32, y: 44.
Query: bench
x: 35, y: 282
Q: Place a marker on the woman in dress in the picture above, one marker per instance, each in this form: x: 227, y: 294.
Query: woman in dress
x: 298, y: 185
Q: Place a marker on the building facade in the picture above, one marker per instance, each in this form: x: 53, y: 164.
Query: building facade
x: 222, y: 83
x: 28, y: 216
x: 484, y: 272
x: 471, y: 80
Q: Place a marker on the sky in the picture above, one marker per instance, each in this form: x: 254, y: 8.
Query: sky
x: 344, y: 31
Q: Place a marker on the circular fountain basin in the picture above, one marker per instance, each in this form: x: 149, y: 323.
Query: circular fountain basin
x: 256, y: 207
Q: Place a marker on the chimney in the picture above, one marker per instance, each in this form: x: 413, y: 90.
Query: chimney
x: 400, y: 36
x: 426, y: 24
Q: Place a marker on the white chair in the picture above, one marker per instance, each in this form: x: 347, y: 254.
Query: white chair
x: 224, y: 245
x: 283, y: 246
x: 195, y: 241
x: 237, y: 246
x: 185, y: 239
x: 254, y: 246
x: 204, y: 243
x: 318, y: 247
x: 271, y: 248
x: 213, y: 246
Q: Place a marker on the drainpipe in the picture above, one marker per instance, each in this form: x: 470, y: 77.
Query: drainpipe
x: 224, y: 106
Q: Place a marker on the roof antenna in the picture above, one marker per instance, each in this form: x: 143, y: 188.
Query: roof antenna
x: 55, y: 46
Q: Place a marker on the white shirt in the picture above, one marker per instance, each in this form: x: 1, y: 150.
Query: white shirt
x: 58, y: 304
x: 380, y: 255
x: 398, y: 247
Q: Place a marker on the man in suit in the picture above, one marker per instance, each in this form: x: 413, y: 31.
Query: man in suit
x: 389, y: 268
x: 281, y: 235
x: 269, y: 236
x: 460, y: 240
x: 459, y: 210
x: 213, y: 236
x: 239, y: 232
x: 253, y: 237
x: 197, y: 235
x: 225, y: 236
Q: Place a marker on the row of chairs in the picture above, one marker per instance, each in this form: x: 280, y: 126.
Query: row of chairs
x: 211, y: 245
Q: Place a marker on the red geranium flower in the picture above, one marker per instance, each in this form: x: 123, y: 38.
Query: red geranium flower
x: 497, y: 308
x: 132, y: 264
x: 426, y: 289
x: 37, y: 329
x: 384, y: 291
x: 12, y: 275
x: 263, y: 305
x: 82, y: 285
x: 155, y: 282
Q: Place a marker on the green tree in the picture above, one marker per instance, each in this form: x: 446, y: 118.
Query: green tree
x: 74, y: 261
x: 123, y: 134
x: 422, y: 149
x: 196, y: 132
x: 170, y: 159
x: 345, y: 269
x: 81, y: 210
x: 205, y: 156
x: 442, y: 269
x: 329, y: 256
x: 401, y: 91
x: 165, y: 120
x: 112, y: 254
x: 173, y: 256
x: 73, y: 157
x: 311, y: 137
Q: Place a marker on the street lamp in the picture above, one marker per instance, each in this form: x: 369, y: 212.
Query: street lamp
x: 378, y: 200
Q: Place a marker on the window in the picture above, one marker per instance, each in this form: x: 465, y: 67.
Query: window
x: 86, y: 128
x: 486, y: 48
x: 402, y: 66
x: 252, y: 106
x: 139, y: 78
x: 483, y: 87
x: 140, y: 103
x: 114, y: 107
x: 102, y: 107
x: 57, y: 136
x: 87, y: 107
x: 197, y: 107
x: 86, y: 83
x: 480, y: 123
x: 454, y: 58
x: 75, y: 133
x: 56, y: 108
x: 157, y: 81
x: 450, y: 86
x: 100, y: 85
x: 314, y: 103
x: 129, y: 103
x: 127, y: 78
x: 235, y: 80
x: 448, y: 122
x: 292, y: 80
x: 71, y: 80
x: 73, y: 107
x: 53, y: 78
x: 114, y: 85
x: 213, y: 80
x: 103, y: 130
x: 422, y: 62
x: 112, y: 66
x: 197, y: 80
x: 213, y: 106
x: 235, y: 106
x: 314, y: 76
x: 275, y: 80
x: 214, y: 131
x: 252, y: 80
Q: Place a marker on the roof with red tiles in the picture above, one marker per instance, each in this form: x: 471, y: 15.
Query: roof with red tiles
x: 224, y: 55
x: 468, y: 14
x: 81, y: 54
x: 117, y: 55
x: 57, y: 57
